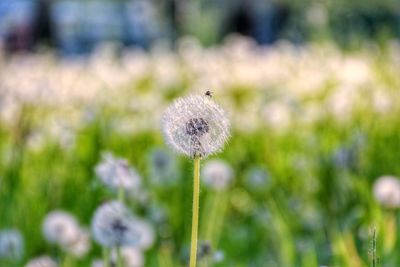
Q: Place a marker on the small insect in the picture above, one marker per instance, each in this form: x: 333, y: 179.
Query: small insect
x: 209, y: 94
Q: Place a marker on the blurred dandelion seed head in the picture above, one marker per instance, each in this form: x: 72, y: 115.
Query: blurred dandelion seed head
x: 387, y: 191
x: 217, y: 174
x: 80, y: 246
x: 115, y: 173
x: 43, y: 261
x: 60, y: 228
x: 195, y: 126
x: 11, y: 244
x: 163, y: 167
x: 132, y: 257
x: 114, y: 225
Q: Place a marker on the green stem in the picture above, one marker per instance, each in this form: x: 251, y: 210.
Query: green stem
x: 121, y: 194
x: 195, y: 217
x: 119, y: 258
x: 374, y: 248
x: 68, y: 261
x: 106, y: 257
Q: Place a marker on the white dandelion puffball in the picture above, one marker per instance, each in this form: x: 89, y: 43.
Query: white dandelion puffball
x: 11, y: 244
x: 131, y: 256
x: 115, y: 173
x: 146, y: 232
x: 163, y: 167
x: 61, y: 228
x: 195, y: 126
x: 114, y: 225
x: 43, y: 261
x: 81, y: 246
x: 217, y: 174
x: 387, y: 191
x: 257, y: 178
x: 97, y: 263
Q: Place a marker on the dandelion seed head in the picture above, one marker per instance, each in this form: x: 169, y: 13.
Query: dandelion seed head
x: 97, y: 263
x: 163, y: 166
x: 81, y: 245
x: 11, y: 244
x: 386, y: 190
x: 217, y: 174
x: 114, y: 225
x: 60, y: 227
x: 257, y: 178
x: 43, y: 261
x: 115, y: 173
x: 146, y: 234
x: 195, y: 126
x: 132, y: 257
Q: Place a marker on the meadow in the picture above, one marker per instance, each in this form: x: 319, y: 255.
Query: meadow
x: 312, y: 129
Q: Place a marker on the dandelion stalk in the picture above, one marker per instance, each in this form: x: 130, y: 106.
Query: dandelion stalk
x: 106, y: 257
x: 374, y: 260
x: 195, y: 215
x: 121, y: 194
x: 119, y: 257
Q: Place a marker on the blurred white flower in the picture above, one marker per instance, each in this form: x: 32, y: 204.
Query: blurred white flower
x: 257, y: 178
x: 97, y: 263
x: 195, y: 126
x: 115, y: 173
x: 11, y: 244
x: 81, y: 246
x: 43, y: 261
x: 61, y: 228
x: 132, y: 257
x: 219, y: 256
x: 387, y: 191
x: 114, y: 225
x: 146, y: 232
x: 217, y: 174
x: 163, y: 167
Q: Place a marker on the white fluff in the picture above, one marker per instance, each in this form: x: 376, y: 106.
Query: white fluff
x: 43, y: 261
x: 195, y: 126
x: 387, y: 191
x: 217, y: 174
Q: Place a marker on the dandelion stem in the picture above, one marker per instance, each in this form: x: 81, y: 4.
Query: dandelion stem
x: 195, y: 216
x: 119, y: 257
x: 374, y: 247
x: 121, y: 194
x: 106, y: 259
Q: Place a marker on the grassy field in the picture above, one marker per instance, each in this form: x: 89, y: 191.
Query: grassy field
x: 312, y: 129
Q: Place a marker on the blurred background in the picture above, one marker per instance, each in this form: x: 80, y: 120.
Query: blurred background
x: 76, y: 27
x: 312, y: 89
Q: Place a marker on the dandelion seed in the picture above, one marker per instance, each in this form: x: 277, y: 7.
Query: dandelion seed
x: 116, y: 173
x: 113, y: 225
x: 11, y: 244
x: 195, y: 126
x: 387, y: 191
x: 43, y: 261
x: 217, y: 174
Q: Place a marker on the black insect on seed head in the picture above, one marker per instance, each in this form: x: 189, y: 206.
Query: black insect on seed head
x: 197, y: 127
x: 209, y: 94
